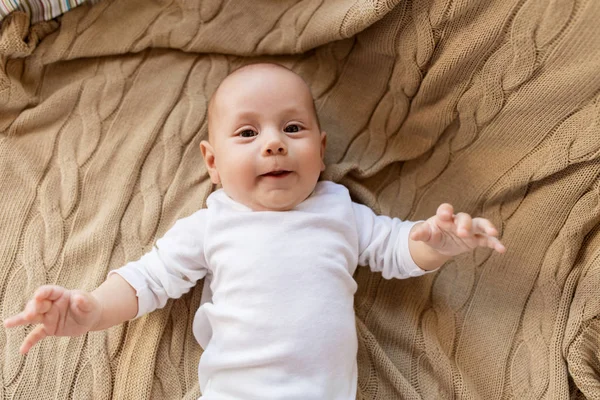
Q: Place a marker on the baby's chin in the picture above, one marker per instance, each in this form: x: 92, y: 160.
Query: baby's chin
x: 272, y: 201
x: 273, y: 204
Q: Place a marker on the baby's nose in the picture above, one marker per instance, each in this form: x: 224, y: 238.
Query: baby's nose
x: 276, y: 150
x: 275, y: 147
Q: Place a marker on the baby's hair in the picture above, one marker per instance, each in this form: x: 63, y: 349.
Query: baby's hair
x: 255, y: 65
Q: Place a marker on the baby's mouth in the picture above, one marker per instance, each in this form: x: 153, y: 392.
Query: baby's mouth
x: 277, y: 174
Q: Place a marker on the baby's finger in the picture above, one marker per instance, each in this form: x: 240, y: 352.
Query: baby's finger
x: 24, y: 317
x: 491, y: 242
x: 445, y: 212
x: 82, y: 302
x: 34, y: 310
x: 464, y: 224
x: 42, y: 307
x: 20, y: 319
x: 497, y: 245
x: 29, y: 313
x: 37, y: 334
x: 15, y: 320
x: 421, y: 232
x: 484, y: 226
x: 49, y: 292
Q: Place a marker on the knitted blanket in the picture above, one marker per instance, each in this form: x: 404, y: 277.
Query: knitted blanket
x: 493, y: 106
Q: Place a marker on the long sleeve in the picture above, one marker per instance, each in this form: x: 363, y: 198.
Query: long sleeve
x: 383, y: 244
x: 172, y: 267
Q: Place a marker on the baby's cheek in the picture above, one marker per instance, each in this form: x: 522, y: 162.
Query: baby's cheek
x: 311, y: 153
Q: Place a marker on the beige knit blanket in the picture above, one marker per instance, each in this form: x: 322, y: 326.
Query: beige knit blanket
x: 493, y: 106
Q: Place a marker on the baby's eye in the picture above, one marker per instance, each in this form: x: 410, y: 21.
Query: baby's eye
x: 292, y: 129
x: 248, y: 133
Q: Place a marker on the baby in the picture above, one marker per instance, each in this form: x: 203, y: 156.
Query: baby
x: 279, y: 247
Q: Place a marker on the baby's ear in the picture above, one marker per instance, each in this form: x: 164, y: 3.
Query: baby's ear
x: 209, y: 159
x: 323, y: 145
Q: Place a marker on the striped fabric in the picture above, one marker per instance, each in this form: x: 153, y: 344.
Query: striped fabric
x: 39, y: 10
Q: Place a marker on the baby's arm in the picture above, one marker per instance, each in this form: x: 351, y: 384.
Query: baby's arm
x: 63, y: 312
x: 118, y: 302
x: 445, y: 235
x: 170, y: 269
x: 403, y: 249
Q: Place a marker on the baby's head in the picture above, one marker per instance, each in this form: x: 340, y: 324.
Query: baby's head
x: 265, y: 144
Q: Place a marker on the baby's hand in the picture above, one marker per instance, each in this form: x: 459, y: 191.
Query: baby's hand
x: 59, y: 312
x: 451, y: 234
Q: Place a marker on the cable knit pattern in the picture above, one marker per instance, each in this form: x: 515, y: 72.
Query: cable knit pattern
x: 493, y: 106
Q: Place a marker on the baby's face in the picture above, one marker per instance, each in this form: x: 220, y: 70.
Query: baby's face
x: 266, y: 148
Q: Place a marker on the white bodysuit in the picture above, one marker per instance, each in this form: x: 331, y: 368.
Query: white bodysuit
x: 281, y: 321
